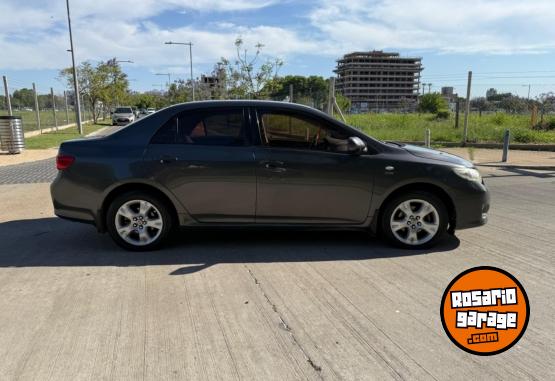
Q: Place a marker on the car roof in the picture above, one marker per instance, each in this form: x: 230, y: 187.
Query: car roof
x: 242, y: 103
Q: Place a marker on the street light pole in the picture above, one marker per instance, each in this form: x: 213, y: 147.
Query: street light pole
x: 190, y: 61
x: 169, y: 78
x: 77, y: 104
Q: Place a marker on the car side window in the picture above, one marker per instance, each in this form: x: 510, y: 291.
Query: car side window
x: 288, y: 130
x: 209, y: 127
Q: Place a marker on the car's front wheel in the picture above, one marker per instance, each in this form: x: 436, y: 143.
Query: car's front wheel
x: 138, y: 221
x: 415, y: 220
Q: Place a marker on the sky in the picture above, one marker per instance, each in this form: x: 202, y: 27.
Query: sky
x: 508, y: 44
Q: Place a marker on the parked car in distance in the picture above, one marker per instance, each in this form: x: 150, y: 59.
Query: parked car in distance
x: 262, y: 163
x: 122, y: 116
x: 150, y: 111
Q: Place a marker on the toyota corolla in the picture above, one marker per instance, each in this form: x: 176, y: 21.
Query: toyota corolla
x: 261, y: 163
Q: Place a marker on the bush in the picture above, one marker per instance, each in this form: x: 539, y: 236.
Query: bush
x: 499, y: 119
x: 523, y: 136
x: 432, y: 103
x: 443, y: 114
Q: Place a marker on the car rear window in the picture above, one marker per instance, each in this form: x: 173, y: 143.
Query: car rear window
x: 221, y: 127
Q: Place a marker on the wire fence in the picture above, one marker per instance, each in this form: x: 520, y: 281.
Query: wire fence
x: 41, y: 108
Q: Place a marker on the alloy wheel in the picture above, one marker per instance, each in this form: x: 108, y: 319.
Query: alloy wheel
x: 138, y: 222
x: 414, y: 222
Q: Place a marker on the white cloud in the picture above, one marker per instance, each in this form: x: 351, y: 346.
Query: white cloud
x: 33, y: 34
x: 471, y: 26
x: 104, y: 29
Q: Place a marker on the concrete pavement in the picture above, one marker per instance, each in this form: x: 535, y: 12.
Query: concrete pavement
x: 263, y: 305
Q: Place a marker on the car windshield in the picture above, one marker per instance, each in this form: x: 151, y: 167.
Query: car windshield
x: 123, y: 110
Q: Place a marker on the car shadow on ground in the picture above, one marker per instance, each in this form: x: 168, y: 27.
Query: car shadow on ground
x: 54, y: 242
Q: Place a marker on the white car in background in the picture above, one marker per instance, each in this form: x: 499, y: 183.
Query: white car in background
x: 122, y: 116
x: 150, y: 111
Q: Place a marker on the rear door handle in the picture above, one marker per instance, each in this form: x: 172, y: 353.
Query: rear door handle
x: 165, y: 159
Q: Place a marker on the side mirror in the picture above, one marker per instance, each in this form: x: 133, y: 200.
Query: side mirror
x: 355, y: 145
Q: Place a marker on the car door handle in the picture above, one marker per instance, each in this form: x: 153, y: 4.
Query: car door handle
x: 165, y: 159
x: 275, y: 166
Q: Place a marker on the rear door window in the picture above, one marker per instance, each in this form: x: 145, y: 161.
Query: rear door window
x: 204, y: 127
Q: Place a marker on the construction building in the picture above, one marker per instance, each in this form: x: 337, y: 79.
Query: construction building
x: 379, y: 81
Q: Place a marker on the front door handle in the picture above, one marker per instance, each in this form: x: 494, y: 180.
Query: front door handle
x: 275, y: 166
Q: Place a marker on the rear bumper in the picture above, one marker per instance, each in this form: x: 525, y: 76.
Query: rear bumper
x: 70, y: 201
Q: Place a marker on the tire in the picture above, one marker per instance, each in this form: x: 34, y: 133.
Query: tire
x: 143, y: 220
x: 427, y: 226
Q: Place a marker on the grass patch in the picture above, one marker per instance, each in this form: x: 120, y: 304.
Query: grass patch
x: 54, y: 139
x: 485, y: 129
x: 29, y: 118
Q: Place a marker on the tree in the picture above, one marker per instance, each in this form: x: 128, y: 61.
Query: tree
x: 312, y: 90
x: 432, y: 103
x: 513, y: 104
x: 246, y: 77
x: 343, y: 102
x: 546, y: 103
x: 102, y: 85
x: 23, y: 98
x: 480, y: 104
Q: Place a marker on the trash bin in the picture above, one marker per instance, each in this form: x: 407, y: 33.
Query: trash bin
x: 11, y: 134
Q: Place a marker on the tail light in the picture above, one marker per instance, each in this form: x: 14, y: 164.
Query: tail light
x: 64, y: 161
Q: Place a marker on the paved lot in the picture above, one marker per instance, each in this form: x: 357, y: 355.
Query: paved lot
x: 264, y: 305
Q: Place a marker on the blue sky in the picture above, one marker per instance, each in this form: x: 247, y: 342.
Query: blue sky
x: 508, y: 44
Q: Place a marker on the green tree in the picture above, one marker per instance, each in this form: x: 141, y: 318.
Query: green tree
x: 312, y: 90
x: 247, y: 76
x: 480, y: 104
x: 432, y: 103
x: 23, y: 98
x: 546, y: 103
x: 513, y: 104
x: 100, y: 86
x: 343, y: 102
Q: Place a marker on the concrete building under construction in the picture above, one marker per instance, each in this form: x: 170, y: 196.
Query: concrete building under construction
x: 379, y: 81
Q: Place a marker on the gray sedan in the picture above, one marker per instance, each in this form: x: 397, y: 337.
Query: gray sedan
x: 260, y: 163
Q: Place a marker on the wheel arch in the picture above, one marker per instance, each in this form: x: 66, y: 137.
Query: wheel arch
x: 134, y: 186
x: 419, y: 186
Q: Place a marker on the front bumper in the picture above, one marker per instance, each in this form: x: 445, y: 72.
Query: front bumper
x: 472, y: 208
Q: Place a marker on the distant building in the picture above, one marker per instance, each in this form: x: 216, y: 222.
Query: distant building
x: 379, y: 81
x: 447, y: 91
x: 490, y: 93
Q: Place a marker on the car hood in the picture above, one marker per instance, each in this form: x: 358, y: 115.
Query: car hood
x: 122, y: 115
x: 433, y: 154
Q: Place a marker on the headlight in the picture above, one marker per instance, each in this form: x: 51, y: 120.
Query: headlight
x: 470, y: 174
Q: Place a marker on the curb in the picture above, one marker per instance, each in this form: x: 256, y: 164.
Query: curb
x: 516, y: 166
x: 512, y: 146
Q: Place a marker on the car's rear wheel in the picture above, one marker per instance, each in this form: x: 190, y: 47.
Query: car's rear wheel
x: 415, y: 220
x: 138, y: 221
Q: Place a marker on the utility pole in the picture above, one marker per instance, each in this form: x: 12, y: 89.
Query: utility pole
x: 291, y: 93
x: 37, y: 111
x: 77, y: 105
x: 67, y: 108
x: 54, y: 108
x: 190, y: 61
x: 84, y: 109
x: 7, y: 93
x: 467, y: 108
